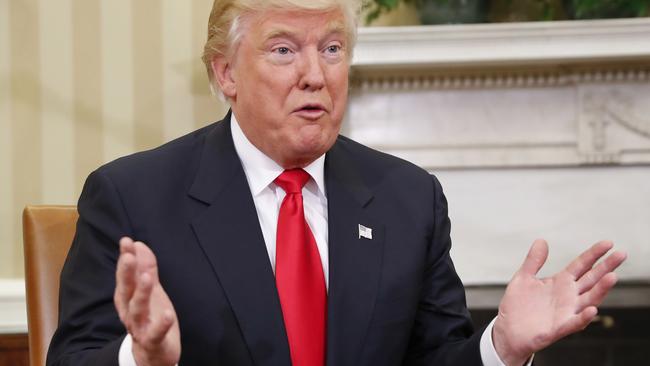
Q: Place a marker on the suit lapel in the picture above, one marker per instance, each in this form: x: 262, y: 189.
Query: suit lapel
x: 355, y: 263
x: 230, y: 236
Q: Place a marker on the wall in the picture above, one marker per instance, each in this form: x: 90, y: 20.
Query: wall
x: 85, y: 81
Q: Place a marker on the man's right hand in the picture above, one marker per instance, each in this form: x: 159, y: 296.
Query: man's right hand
x: 144, y: 307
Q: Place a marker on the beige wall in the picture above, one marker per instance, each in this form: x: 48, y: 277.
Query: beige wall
x: 85, y: 81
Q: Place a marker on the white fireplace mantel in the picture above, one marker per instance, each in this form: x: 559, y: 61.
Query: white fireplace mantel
x: 505, y: 43
x: 581, y: 87
x: 535, y: 130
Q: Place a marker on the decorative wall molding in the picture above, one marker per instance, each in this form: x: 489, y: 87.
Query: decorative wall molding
x: 396, y: 80
x: 505, y: 95
x: 612, y: 122
x: 486, y: 45
x: 622, y: 113
x: 13, y: 311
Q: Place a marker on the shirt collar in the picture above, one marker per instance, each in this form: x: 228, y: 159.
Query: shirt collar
x: 261, y: 170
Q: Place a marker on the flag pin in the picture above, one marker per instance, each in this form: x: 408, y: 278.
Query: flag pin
x: 365, y: 232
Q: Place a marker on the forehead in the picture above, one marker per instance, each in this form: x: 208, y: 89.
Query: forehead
x: 296, y: 23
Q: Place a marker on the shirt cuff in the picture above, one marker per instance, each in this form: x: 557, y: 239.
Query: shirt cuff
x: 125, y: 356
x: 489, y: 354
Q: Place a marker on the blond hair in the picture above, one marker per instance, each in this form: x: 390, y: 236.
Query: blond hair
x: 225, y: 30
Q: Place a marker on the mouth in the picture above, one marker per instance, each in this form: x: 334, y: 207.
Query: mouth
x: 310, y: 111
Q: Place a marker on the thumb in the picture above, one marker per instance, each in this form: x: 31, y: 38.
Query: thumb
x: 536, y: 257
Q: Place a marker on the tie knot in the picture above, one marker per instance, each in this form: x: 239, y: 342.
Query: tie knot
x: 292, y: 180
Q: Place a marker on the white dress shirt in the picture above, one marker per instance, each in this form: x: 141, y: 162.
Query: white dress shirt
x: 260, y: 172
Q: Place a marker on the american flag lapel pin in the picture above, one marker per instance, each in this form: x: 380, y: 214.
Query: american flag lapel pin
x: 365, y: 232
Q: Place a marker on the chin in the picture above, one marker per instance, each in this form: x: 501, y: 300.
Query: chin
x: 319, y: 145
x: 304, y: 155
x: 308, y: 143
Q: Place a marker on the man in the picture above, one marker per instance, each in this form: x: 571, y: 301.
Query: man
x: 271, y: 240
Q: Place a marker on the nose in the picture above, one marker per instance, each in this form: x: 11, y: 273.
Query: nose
x: 312, y: 75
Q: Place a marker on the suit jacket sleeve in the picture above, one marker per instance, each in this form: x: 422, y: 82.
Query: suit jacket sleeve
x: 443, y: 332
x: 89, y: 331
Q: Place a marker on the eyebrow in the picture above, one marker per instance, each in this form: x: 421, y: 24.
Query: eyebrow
x: 333, y: 27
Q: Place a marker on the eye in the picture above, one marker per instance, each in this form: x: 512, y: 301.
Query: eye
x: 333, y: 48
x: 282, y: 53
x: 282, y: 50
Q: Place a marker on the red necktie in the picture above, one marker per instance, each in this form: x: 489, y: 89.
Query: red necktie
x: 299, y: 275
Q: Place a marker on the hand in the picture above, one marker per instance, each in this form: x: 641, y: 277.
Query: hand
x: 534, y: 312
x: 144, y: 307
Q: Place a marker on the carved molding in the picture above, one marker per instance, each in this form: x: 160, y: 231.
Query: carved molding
x: 622, y: 113
x: 604, y: 110
x: 505, y: 95
x: 394, y: 81
x: 594, y: 124
x: 582, y: 123
x: 486, y: 45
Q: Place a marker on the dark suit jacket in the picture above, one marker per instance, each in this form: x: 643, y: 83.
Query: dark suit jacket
x: 393, y: 300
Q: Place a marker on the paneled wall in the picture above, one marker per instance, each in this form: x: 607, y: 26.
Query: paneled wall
x: 85, y: 81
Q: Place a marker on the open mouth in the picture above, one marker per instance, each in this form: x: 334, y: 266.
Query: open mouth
x: 310, y: 111
x: 311, y: 108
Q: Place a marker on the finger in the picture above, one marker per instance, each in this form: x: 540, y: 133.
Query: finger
x: 578, y: 322
x: 160, y: 327
x: 585, y: 261
x: 139, y: 306
x: 596, y: 295
x: 589, y: 279
x: 536, y: 257
x: 125, y: 284
x: 145, y: 260
x: 124, y: 277
x: 127, y: 245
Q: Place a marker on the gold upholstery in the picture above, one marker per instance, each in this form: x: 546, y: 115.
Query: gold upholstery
x: 47, y: 233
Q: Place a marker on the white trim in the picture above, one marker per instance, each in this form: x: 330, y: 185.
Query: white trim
x: 503, y: 44
x: 13, y: 309
x: 396, y: 81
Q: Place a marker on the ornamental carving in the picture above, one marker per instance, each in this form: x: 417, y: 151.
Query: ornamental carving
x: 621, y: 110
x: 608, y: 112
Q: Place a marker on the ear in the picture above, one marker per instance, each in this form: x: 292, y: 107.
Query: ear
x: 223, y: 75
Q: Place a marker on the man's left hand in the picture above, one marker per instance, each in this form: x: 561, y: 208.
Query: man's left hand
x: 534, y: 312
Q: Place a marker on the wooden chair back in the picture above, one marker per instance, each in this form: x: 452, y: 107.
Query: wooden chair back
x: 47, y: 234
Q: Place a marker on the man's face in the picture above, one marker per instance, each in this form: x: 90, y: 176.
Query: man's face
x: 288, y: 83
